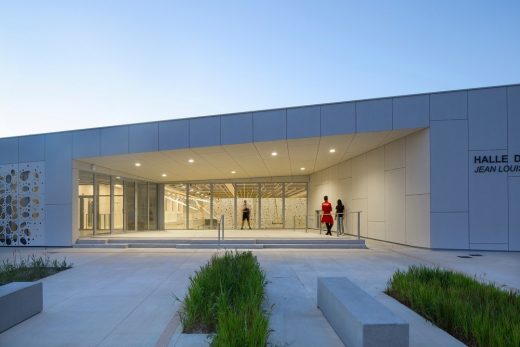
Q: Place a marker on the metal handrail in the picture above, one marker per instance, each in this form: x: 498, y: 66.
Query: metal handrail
x: 220, y: 226
x: 317, y: 225
x: 358, y: 223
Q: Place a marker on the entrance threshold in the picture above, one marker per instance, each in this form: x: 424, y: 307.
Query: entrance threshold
x: 234, y: 239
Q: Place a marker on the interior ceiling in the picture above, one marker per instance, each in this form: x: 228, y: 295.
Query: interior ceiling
x: 247, y: 160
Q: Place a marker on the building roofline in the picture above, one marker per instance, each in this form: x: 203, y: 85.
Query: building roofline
x: 270, y: 109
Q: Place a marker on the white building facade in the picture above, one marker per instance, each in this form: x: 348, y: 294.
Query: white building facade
x: 438, y: 170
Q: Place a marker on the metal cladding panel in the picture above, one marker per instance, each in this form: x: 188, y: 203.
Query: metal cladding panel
x: 236, y: 128
x: 514, y: 216
x: 450, y: 105
x: 449, y: 165
x: 411, y: 112
x: 143, y: 138
x: 9, y: 150
x: 269, y: 125
x: 513, y: 138
x: 114, y: 140
x: 487, y: 115
x: 450, y: 230
x: 374, y: 115
x: 488, y: 204
x: 418, y: 163
x: 31, y: 148
x: 337, y: 119
x: 86, y: 143
x: 303, y: 122
x: 205, y: 131
x: 58, y: 223
x: 174, y: 134
x: 58, y: 168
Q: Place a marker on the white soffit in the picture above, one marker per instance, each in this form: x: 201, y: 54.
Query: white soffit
x: 249, y: 159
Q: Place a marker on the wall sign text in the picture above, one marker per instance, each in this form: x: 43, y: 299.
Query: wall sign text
x: 496, y: 163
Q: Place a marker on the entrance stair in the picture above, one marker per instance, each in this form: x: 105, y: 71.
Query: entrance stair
x: 329, y: 243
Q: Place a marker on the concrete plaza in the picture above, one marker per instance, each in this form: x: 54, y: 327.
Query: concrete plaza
x: 127, y: 297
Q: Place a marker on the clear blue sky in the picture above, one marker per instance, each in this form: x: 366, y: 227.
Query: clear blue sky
x: 76, y: 64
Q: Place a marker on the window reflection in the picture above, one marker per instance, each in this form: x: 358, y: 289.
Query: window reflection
x: 113, y: 204
x: 175, y: 206
x: 199, y: 206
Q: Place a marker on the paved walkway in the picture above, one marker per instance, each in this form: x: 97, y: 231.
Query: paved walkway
x: 127, y: 297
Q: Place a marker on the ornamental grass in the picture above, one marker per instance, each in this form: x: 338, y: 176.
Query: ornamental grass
x: 477, y: 314
x: 225, y: 297
x: 30, y: 268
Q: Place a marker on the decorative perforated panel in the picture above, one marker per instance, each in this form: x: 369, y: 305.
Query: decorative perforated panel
x: 21, y: 204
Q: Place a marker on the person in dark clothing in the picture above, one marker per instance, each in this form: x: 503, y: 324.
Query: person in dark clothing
x: 340, y: 214
x: 245, y: 215
x: 326, y: 209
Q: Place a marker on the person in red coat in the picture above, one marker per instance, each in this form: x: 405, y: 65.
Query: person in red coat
x: 326, y: 208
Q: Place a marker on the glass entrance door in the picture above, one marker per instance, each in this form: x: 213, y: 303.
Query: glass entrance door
x: 86, y: 213
x: 86, y: 203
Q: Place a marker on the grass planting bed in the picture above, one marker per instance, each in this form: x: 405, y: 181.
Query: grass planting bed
x: 30, y: 269
x: 225, y: 297
x: 475, y: 313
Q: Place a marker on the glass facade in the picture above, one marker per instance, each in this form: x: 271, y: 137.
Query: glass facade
x: 272, y: 205
x: 295, y: 202
x: 200, y: 205
x: 247, y: 193
x: 85, y: 203
x: 119, y: 209
x: 103, y: 214
x: 224, y: 204
x: 108, y: 204
x: 175, y: 216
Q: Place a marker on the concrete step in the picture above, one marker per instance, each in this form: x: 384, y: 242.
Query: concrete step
x: 215, y: 246
x: 91, y: 241
x: 235, y: 241
x: 152, y: 245
x: 315, y: 246
x: 329, y: 243
x: 177, y: 241
x: 99, y: 245
x: 225, y: 245
x: 332, y: 240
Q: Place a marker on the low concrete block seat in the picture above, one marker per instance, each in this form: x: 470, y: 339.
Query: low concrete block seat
x: 19, y: 301
x: 358, y: 318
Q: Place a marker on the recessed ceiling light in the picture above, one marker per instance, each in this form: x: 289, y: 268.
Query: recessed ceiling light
x: 302, y: 168
x: 118, y: 178
x: 233, y: 172
x: 164, y: 175
x: 191, y: 161
x: 274, y: 154
x: 332, y: 150
x: 137, y: 164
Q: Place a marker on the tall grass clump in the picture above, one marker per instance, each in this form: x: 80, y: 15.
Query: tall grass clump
x: 30, y: 268
x: 477, y: 314
x: 225, y: 296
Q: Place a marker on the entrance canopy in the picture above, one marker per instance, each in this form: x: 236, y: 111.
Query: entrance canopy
x: 293, y: 157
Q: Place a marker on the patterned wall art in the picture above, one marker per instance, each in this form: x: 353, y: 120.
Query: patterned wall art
x: 21, y: 204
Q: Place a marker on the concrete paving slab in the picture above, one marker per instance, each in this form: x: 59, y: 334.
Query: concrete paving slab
x: 119, y: 296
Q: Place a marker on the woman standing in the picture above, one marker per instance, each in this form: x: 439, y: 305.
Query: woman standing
x: 340, y: 213
x: 326, y: 208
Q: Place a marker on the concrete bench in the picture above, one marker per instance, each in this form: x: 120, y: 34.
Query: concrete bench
x: 19, y: 301
x: 358, y: 318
